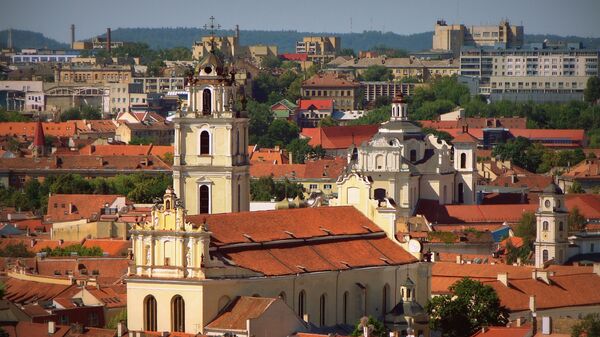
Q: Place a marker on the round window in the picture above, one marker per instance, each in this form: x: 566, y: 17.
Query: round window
x: 207, y: 70
x: 547, y: 203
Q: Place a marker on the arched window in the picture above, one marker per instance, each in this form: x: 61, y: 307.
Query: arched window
x: 355, y: 154
x: 385, y: 300
x: 379, y: 193
x: 206, y: 101
x: 177, y: 314
x: 413, y: 155
x: 302, y: 303
x: 545, y: 255
x: 204, y: 142
x: 463, y: 160
x: 560, y: 226
x: 150, y: 313
x: 345, y: 307
x: 461, y: 193
x: 545, y: 225
x: 322, y: 309
x: 237, y: 143
x: 204, y: 199
x: 379, y: 162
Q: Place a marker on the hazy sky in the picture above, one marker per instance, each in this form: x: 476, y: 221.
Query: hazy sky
x: 91, y: 17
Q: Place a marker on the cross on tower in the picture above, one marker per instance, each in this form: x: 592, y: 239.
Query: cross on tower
x: 212, y: 27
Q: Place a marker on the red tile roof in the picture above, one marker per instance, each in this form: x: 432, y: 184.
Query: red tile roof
x: 112, y: 247
x: 464, y: 137
x: 587, y: 169
x: 109, y: 269
x: 339, y: 137
x: 458, y: 214
x: 514, y: 241
x: 27, y: 129
x: 543, y: 134
x: 242, y: 309
x: 114, y: 296
x: 21, y: 291
x: 329, y: 80
x: 69, y: 163
x: 66, y: 207
x: 294, y: 57
x: 314, y: 169
x: 33, y: 225
x: 502, y: 331
x: 315, y: 104
x: 127, y: 150
x: 267, y: 155
x: 38, y: 138
x: 533, y: 182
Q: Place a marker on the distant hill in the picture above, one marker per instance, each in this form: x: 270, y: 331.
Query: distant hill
x: 158, y: 38
x: 27, y: 39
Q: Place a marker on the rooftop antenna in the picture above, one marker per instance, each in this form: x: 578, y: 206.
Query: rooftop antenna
x: 212, y: 27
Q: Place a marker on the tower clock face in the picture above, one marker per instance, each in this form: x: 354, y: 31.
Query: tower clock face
x: 547, y: 203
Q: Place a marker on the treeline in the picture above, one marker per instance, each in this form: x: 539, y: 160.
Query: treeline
x: 138, y: 187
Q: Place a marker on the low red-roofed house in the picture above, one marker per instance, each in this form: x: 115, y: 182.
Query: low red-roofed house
x: 586, y: 173
x: 503, y: 331
x: 336, y: 140
x: 311, y: 111
x: 68, y: 207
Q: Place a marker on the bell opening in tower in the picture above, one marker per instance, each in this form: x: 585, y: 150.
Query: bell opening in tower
x: 206, y: 101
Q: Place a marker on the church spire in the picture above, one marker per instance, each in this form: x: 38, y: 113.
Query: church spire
x: 39, y: 140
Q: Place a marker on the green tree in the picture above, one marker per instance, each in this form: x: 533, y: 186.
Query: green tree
x: 266, y: 188
x: 375, y: 116
x: 16, y: 250
x: 112, y: 323
x: 378, y: 328
x: 377, y: 73
x: 271, y: 62
x: 576, y: 188
x: 576, y: 220
x: 260, y: 117
x: 12, y: 116
x: 327, y: 121
x: 526, y: 228
x: 135, y: 140
x: 70, y: 114
x: 280, y: 132
x: 90, y: 112
x: 301, y: 150
x: 590, y: 326
x: 80, y: 250
x: 592, y: 90
x: 346, y: 52
x: 471, y: 306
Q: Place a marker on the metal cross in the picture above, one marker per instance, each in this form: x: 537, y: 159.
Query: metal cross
x: 212, y: 27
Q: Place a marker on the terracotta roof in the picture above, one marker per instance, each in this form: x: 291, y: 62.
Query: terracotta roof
x: 38, y: 138
x: 339, y: 137
x: 27, y: 129
x: 588, y: 204
x: 58, y: 163
x: 149, y: 126
x: 315, y: 169
x: 545, y: 134
x: 21, y: 291
x: 112, y: 247
x: 236, y: 314
x: 503, y: 331
x: 458, y: 214
x: 329, y: 80
x: 33, y: 225
x: 464, y: 137
x: 294, y: 57
x: 114, y: 296
x: 109, y: 270
x: 266, y: 155
x: 66, y: 207
x: 515, y: 241
x: 315, y: 104
x: 129, y: 150
x: 533, y: 182
x: 587, y: 169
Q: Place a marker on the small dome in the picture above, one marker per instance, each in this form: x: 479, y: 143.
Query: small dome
x: 552, y: 189
x: 399, y: 98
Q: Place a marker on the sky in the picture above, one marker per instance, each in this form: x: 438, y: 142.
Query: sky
x: 91, y: 17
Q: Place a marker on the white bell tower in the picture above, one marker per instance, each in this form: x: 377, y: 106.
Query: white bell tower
x: 551, y: 227
x: 399, y: 108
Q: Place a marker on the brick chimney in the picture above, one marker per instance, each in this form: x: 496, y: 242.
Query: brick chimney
x: 51, y: 328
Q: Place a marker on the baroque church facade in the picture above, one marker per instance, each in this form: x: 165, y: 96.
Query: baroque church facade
x: 387, y: 175
x: 330, y: 265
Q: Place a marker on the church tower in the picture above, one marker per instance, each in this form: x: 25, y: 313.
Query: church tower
x: 211, y: 167
x: 465, y: 164
x: 551, y: 227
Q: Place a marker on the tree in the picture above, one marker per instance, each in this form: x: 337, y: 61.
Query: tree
x: 346, y: 52
x: 16, y: 250
x: 377, y: 73
x: 576, y: 220
x: 135, y: 140
x: 592, y: 90
x: 300, y: 150
x: 526, y: 228
x: 90, y: 112
x: 70, y: 114
x: 280, y: 132
x: 576, y: 188
x: 590, y: 326
x: 261, y: 117
x: 266, y: 188
x: 271, y: 62
x: 378, y: 329
x: 327, y: 121
x: 471, y: 306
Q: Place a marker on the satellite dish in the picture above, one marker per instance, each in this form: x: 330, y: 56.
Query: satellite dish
x: 414, y: 246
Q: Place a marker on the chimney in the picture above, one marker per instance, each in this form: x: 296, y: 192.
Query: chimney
x: 503, y: 277
x: 597, y: 268
x: 519, y: 322
x: 51, y: 328
x: 108, y: 40
x: 532, y: 307
x: 72, y: 36
x: 237, y: 32
x: 542, y: 275
x: 459, y: 259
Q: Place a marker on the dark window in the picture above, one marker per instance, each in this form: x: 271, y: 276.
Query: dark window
x: 150, y: 313
x: 461, y: 193
x: 345, y: 307
x: 177, y: 314
x: 413, y: 155
x: 206, y: 101
x: 545, y: 255
x: 379, y: 193
x: 301, y: 304
x: 463, y: 160
x: 322, y: 310
x: 204, y: 199
x: 204, y: 142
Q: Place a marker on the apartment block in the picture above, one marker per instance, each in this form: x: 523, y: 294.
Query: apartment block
x: 374, y: 90
x: 319, y: 48
x: 93, y: 74
x: 154, y: 85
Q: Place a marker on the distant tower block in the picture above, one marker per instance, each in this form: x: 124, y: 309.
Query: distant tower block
x: 108, y: 46
x: 72, y: 36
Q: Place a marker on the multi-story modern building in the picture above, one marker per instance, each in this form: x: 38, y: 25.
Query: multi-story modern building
x: 33, y: 56
x: 124, y: 96
x: 153, y: 85
x: 374, y: 90
x: 344, y: 92
x: 535, y: 72
x: 401, y: 67
x: 319, y: 48
x: 22, y: 95
x: 454, y: 37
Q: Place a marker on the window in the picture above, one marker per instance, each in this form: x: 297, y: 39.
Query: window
x: 322, y: 310
x: 545, y: 225
x: 379, y: 162
x: 93, y: 319
x: 385, y: 300
x: 327, y: 186
x: 345, y: 307
x: 301, y: 303
x: 461, y: 193
x: 206, y: 101
x: 413, y: 155
x: 177, y: 314
x: 379, y: 193
x: 591, y: 247
x: 560, y: 226
x: 282, y: 296
x: 204, y: 199
x: 463, y: 160
x: 150, y: 313
x: 204, y: 143
x: 545, y: 255
x: 313, y: 186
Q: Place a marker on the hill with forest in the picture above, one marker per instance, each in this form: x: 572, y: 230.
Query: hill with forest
x: 161, y: 38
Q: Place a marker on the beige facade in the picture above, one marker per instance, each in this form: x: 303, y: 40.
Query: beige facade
x: 402, y: 67
x: 211, y: 166
x: 81, y: 229
x: 453, y: 37
x: 320, y: 49
x: 93, y: 74
x: 551, y: 228
x: 158, y: 133
x: 124, y: 95
x: 228, y: 45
